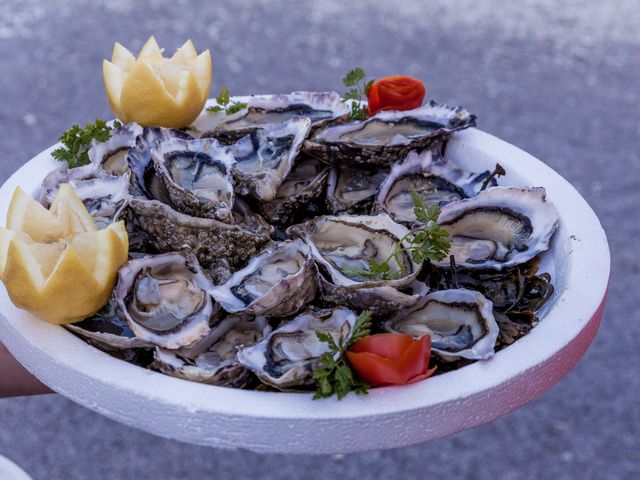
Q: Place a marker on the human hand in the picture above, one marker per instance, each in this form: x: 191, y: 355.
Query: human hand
x: 15, y: 380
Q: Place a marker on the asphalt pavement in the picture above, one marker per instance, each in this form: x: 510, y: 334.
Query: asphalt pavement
x: 559, y: 79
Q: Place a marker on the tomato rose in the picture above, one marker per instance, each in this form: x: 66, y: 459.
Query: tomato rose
x: 391, y: 359
x: 395, y: 93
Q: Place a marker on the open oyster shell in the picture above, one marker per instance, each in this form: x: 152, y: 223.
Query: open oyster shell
x: 388, y: 136
x: 460, y: 322
x: 500, y: 227
x: 164, y: 299
x: 262, y: 110
x: 265, y: 157
x: 353, y: 190
x: 218, y: 364
x: 343, y: 245
x: 303, y: 185
x: 196, y: 175
x: 433, y: 178
x: 112, y: 154
x: 287, y: 357
x: 278, y: 282
x: 102, y: 193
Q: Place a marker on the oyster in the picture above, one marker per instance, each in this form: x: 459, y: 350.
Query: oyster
x: 459, y: 321
x: 218, y: 364
x: 139, y: 159
x: 102, y: 193
x: 196, y: 176
x: 265, y: 157
x: 343, y: 247
x: 434, y: 179
x: 388, y: 136
x: 166, y: 230
x: 276, y: 283
x: 264, y: 110
x: 108, y: 330
x: 303, y: 185
x: 353, y: 190
x: 112, y: 154
x: 287, y: 357
x: 500, y: 227
x: 164, y: 299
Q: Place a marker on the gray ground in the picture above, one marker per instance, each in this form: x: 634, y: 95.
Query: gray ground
x: 559, y: 79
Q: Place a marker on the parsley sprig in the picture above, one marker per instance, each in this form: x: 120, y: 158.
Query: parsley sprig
x: 426, y: 241
x: 357, y: 91
x: 77, y: 141
x: 225, y: 104
x: 334, y: 374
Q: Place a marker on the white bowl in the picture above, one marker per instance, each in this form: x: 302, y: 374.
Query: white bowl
x: 387, y: 417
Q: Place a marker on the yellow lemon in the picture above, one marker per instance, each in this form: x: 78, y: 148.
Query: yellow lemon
x: 54, y: 262
x: 156, y: 91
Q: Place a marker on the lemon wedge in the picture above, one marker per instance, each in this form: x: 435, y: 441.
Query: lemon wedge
x: 54, y: 262
x: 156, y: 91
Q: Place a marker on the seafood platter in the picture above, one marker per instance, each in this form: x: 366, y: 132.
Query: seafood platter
x: 308, y: 272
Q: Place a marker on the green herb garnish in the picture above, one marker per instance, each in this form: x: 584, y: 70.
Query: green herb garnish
x: 77, y: 142
x: 357, y: 91
x: 334, y: 374
x: 225, y: 104
x: 427, y: 241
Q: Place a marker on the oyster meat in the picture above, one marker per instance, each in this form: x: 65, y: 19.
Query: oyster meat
x: 265, y: 157
x: 278, y: 282
x: 500, y: 227
x: 460, y: 322
x: 388, y: 136
x: 218, y: 364
x: 287, y: 357
x: 164, y: 299
x: 433, y: 178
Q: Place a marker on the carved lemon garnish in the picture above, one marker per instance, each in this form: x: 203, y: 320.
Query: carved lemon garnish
x: 156, y: 91
x: 55, y: 263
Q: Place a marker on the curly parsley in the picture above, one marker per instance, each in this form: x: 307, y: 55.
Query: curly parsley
x: 357, y: 91
x: 225, y: 104
x: 77, y: 142
x: 334, y: 374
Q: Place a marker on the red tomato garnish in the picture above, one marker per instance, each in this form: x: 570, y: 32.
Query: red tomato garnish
x: 391, y: 359
x: 395, y: 93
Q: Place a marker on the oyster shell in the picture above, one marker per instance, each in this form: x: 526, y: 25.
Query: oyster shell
x: 434, y: 179
x: 102, y: 193
x: 112, y: 154
x: 166, y: 230
x: 303, y: 185
x: 196, y: 175
x: 388, y: 136
x: 460, y: 322
x: 218, y: 364
x: 164, y: 299
x: 278, y: 282
x: 344, y: 245
x: 287, y: 357
x: 353, y: 190
x: 500, y: 227
x: 265, y: 157
x: 262, y: 110
x: 108, y: 330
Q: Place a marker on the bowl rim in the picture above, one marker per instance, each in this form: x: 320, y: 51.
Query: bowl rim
x: 51, y: 352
